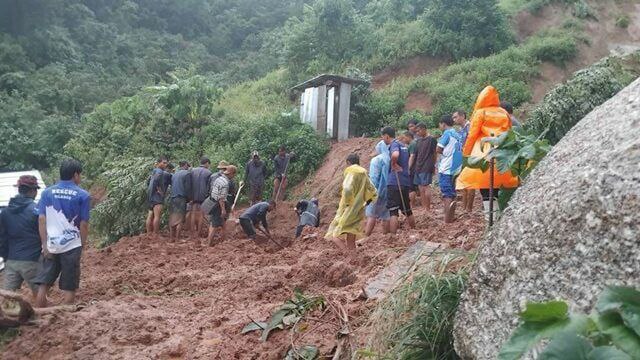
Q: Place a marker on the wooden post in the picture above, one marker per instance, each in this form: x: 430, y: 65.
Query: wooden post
x: 321, y: 124
x: 343, y: 112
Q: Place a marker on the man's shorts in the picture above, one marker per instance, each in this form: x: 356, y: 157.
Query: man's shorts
x: 447, y: 188
x: 17, y: 271
x: 247, y: 226
x: 398, y: 201
x: 65, y: 265
x: 178, y: 205
x: 215, y: 217
x: 377, y: 210
x: 423, y: 179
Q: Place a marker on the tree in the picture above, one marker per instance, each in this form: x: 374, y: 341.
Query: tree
x: 465, y: 28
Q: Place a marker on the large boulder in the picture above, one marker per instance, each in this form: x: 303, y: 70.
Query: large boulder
x: 570, y: 230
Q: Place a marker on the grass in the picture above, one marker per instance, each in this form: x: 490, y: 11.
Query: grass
x: 416, y: 320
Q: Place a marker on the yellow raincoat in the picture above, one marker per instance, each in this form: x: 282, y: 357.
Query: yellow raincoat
x: 488, y: 119
x: 357, y: 189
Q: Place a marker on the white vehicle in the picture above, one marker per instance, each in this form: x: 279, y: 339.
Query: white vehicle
x: 8, y: 189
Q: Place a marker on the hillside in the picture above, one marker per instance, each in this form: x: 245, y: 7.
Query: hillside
x: 599, y: 36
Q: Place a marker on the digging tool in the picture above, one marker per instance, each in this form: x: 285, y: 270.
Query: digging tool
x: 283, y: 177
x: 269, y: 236
x: 235, y: 201
x: 491, y: 167
x: 404, y: 206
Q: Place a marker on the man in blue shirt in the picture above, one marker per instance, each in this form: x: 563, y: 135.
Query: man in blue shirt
x: 460, y: 118
x: 156, y: 188
x: 19, y: 238
x: 398, y: 180
x: 255, y: 215
x: 64, y: 227
x: 378, y: 174
x: 180, y: 192
x: 450, y: 163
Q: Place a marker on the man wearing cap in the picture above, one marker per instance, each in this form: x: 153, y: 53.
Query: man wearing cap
x: 218, y: 215
x: 254, y: 173
x: 19, y: 238
x: 199, y: 192
x: 64, y: 227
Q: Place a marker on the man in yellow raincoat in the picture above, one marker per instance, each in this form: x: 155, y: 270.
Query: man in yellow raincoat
x: 357, y: 192
x: 488, y: 120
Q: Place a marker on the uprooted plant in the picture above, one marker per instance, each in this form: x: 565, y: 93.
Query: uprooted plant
x: 612, y: 331
x: 287, y: 315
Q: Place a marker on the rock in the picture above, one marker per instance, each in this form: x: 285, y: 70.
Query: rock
x: 570, y: 230
x: 378, y: 287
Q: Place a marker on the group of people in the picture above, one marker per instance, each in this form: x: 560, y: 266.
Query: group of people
x: 404, y: 167
x: 196, y: 194
x: 42, y: 242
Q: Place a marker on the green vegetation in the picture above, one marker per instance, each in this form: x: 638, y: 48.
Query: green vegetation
x: 416, y: 320
x: 623, y: 21
x: 516, y: 151
x: 611, y: 332
x: 456, y: 87
x: 288, y: 314
x: 568, y: 103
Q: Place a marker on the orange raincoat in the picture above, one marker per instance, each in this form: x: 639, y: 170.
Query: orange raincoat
x: 488, y: 119
x: 357, y: 189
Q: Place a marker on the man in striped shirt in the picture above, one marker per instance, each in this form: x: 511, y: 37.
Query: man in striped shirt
x: 218, y: 215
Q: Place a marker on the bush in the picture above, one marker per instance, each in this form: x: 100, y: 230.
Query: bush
x: 568, y: 103
x: 465, y: 28
x: 457, y: 86
x: 582, y: 10
x: 623, y: 21
x: 126, y: 186
x: 416, y: 320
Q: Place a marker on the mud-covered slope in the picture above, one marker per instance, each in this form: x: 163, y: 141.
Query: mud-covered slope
x: 145, y: 298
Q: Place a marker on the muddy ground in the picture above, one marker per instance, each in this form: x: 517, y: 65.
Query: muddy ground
x: 145, y: 298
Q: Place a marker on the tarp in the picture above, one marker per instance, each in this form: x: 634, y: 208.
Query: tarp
x: 356, y: 191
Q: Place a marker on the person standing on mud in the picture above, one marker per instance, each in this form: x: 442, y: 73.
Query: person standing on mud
x: 449, y: 145
x: 378, y: 173
x: 180, y: 190
x: 156, y: 191
x: 399, y: 182
x: 460, y: 118
x: 254, y: 174
x: 308, y: 215
x: 254, y: 216
x: 200, y: 190
x: 64, y: 227
x: 357, y: 192
x: 218, y: 215
x: 280, y: 166
x: 20, y: 245
x: 425, y: 159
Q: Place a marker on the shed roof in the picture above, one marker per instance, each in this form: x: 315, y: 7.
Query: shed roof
x: 327, y: 79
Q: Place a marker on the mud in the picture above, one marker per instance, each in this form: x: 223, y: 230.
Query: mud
x: 146, y: 298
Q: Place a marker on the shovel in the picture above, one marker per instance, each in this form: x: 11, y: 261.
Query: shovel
x: 269, y: 237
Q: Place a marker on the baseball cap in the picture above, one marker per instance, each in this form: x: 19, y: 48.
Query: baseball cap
x: 222, y: 165
x: 28, y: 180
